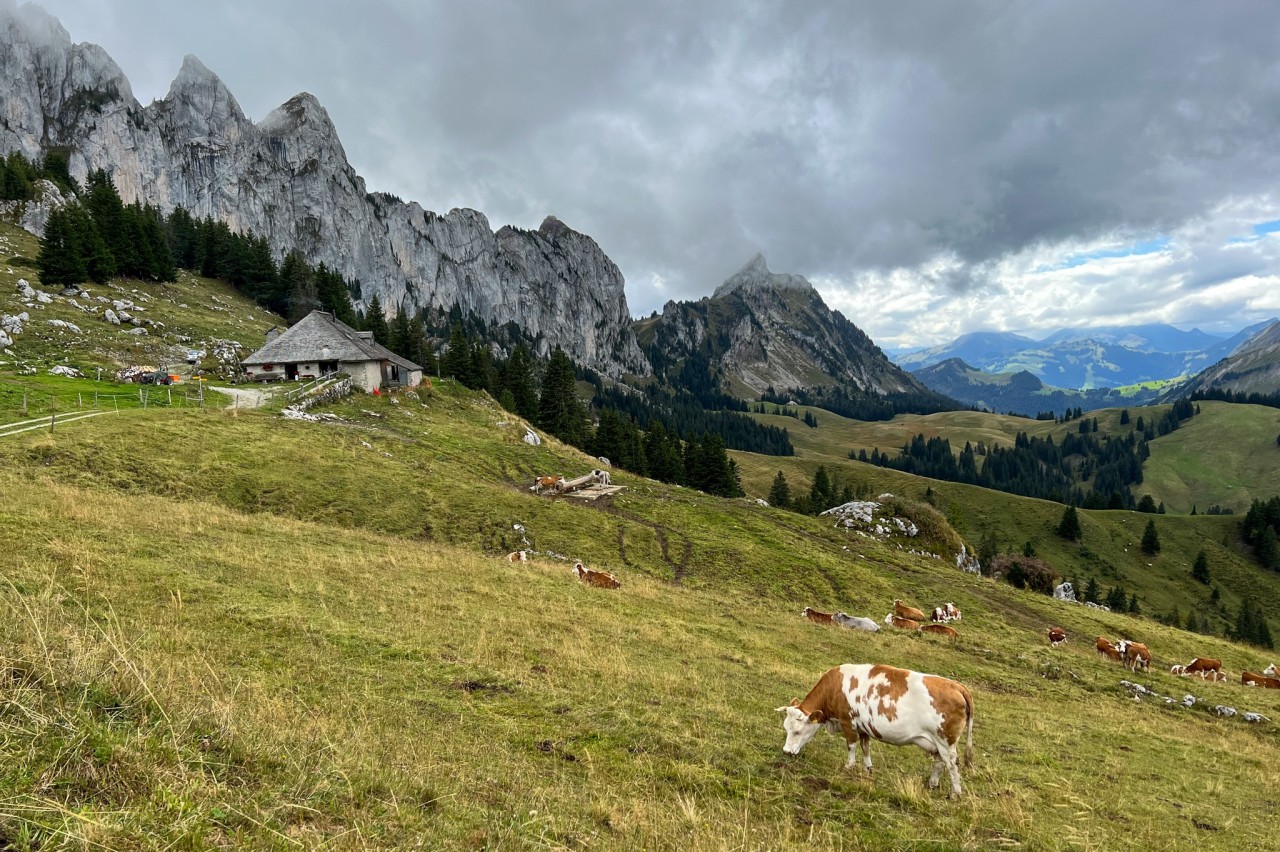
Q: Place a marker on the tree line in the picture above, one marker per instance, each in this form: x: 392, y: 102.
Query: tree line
x: 1040, y: 466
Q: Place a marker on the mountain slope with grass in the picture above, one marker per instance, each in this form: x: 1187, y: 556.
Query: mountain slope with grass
x: 249, y: 631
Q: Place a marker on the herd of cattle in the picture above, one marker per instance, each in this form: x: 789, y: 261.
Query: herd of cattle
x: 903, y: 617
x: 1136, y: 655
x: 902, y: 707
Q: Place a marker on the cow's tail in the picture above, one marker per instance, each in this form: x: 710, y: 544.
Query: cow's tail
x: 968, y: 749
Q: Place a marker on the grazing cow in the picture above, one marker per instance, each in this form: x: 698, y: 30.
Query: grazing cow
x: 946, y: 612
x: 1270, y: 671
x: 903, y: 611
x: 1134, y: 655
x: 1203, y: 666
x: 816, y: 616
x: 1106, y: 649
x: 599, y: 579
x: 518, y: 556
x: 941, y: 630
x: 1251, y: 679
x: 1220, y: 677
x: 1056, y: 636
x: 896, y: 706
x: 542, y: 483
x: 901, y: 623
x: 602, y: 476
x: 856, y: 622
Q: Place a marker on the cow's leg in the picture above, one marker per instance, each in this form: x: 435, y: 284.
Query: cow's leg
x: 865, y: 742
x: 953, y: 768
x: 936, y: 772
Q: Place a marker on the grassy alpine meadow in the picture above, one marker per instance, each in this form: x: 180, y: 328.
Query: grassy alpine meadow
x: 225, y: 629
x: 1226, y: 456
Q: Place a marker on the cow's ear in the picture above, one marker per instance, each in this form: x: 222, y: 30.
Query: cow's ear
x: 818, y: 716
x: 782, y: 709
x: 795, y: 702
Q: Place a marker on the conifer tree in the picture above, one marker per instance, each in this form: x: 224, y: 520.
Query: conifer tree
x: 1092, y: 591
x: 1200, y: 570
x: 1069, y: 526
x: 376, y: 321
x: 517, y: 376
x: 820, y: 498
x: 1150, y: 539
x: 560, y: 411
x: 666, y: 462
x: 400, y: 332
x: 1268, y: 551
x: 456, y: 362
x: 780, y: 492
x: 62, y: 261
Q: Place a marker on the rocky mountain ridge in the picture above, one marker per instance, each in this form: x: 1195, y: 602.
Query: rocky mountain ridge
x: 762, y: 330
x: 288, y: 179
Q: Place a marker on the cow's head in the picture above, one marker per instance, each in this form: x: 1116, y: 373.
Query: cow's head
x: 800, y: 726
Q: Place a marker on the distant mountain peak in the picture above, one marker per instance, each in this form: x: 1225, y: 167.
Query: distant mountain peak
x: 755, y: 275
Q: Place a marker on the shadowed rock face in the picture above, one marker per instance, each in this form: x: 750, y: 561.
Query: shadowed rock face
x: 763, y: 329
x: 288, y: 179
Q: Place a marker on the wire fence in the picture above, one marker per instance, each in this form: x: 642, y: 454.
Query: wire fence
x: 19, y: 407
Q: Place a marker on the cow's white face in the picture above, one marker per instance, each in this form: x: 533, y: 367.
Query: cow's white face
x: 799, y: 727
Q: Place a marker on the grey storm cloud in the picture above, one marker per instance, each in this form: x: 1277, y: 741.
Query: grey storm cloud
x: 837, y: 138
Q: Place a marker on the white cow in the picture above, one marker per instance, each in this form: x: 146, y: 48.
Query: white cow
x: 896, y: 706
x: 856, y: 622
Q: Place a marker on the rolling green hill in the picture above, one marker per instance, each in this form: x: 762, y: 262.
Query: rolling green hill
x: 1225, y: 456
x: 233, y: 630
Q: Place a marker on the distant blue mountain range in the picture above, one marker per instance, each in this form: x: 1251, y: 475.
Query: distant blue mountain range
x: 1088, y: 358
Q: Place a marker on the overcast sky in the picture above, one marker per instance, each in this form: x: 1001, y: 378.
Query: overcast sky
x: 934, y: 168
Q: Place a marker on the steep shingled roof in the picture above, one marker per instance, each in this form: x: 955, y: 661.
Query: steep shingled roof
x: 309, y: 337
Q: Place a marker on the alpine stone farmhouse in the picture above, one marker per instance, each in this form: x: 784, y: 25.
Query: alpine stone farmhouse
x: 320, y: 345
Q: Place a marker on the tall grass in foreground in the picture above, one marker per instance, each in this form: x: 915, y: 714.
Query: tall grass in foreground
x: 179, y: 674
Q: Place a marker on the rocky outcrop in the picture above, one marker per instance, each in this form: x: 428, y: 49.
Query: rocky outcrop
x: 762, y: 329
x: 288, y: 179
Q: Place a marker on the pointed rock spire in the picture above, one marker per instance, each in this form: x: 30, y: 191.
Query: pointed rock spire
x: 755, y: 275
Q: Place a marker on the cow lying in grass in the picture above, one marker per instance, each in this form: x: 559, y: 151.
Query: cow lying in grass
x: 896, y: 706
x: 856, y: 622
x: 518, y: 556
x: 903, y: 611
x: 817, y: 616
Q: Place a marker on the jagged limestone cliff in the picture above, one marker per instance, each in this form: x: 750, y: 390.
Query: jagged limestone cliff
x: 287, y: 177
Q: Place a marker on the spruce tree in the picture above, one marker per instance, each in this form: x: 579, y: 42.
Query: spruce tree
x: 456, y: 362
x: 1092, y: 591
x: 820, y: 498
x: 61, y: 261
x: 1150, y: 539
x: 780, y: 492
x: 1200, y: 570
x: 560, y: 411
x: 1069, y: 526
x: 1133, y: 604
x: 517, y: 377
x: 1268, y: 551
x: 376, y: 321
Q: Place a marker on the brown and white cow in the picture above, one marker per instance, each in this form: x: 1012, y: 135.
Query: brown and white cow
x: 946, y: 612
x: 1270, y: 671
x: 817, y: 616
x: 518, y: 556
x: 941, y: 630
x: 1134, y: 655
x: 901, y: 623
x: 1106, y: 649
x: 1057, y: 636
x: 542, y: 483
x: 896, y: 706
x: 903, y: 611
x: 599, y: 579
x: 1206, y: 667
x: 1251, y: 679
